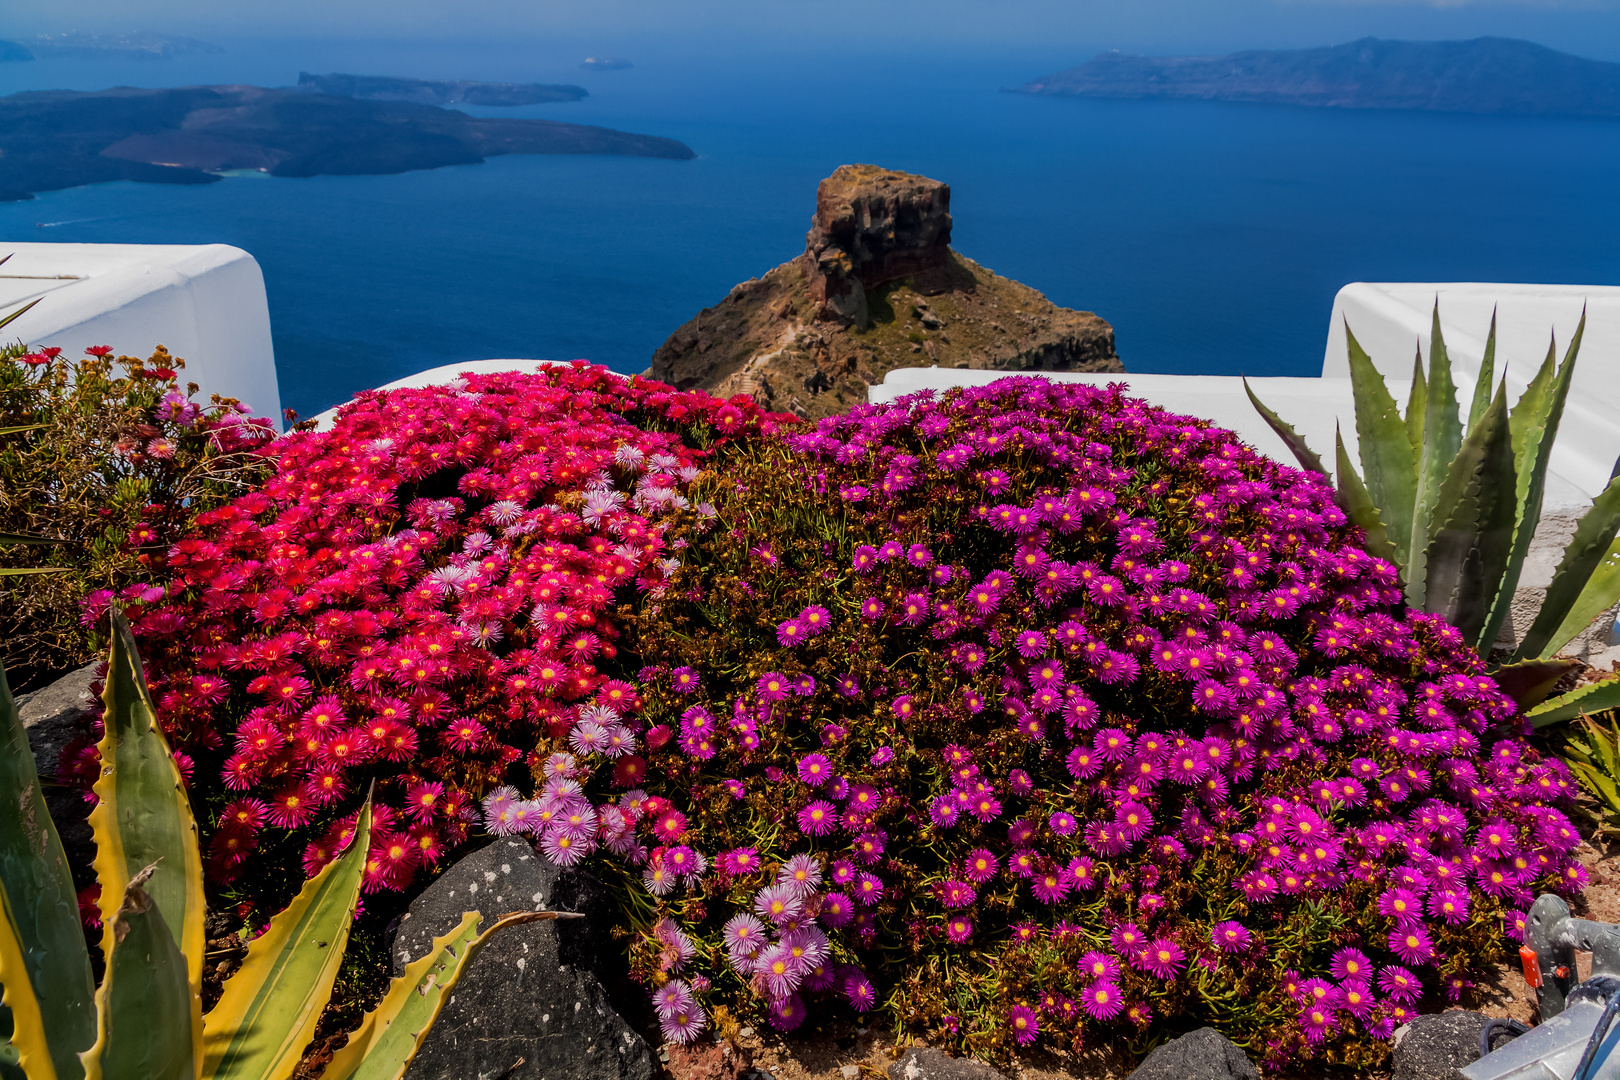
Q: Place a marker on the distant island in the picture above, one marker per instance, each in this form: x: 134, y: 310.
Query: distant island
x: 76, y: 46
x: 605, y: 63
x: 1486, y: 75
x: 57, y: 139
x: 433, y: 92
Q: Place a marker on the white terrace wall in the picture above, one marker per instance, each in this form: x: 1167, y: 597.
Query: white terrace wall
x: 1392, y: 322
x: 204, y: 303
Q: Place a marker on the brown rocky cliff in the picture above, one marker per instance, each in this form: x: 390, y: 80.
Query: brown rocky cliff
x: 877, y: 288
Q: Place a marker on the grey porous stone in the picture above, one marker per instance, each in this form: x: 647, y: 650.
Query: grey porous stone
x: 529, y: 1007
x: 924, y: 1063
x: 1435, y: 1047
x: 53, y: 716
x: 1204, y: 1054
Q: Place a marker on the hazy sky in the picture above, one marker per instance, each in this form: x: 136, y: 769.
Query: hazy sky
x: 1588, y: 27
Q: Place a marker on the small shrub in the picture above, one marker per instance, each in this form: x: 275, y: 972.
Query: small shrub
x: 422, y: 596
x: 115, y: 459
x: 1034, y: 712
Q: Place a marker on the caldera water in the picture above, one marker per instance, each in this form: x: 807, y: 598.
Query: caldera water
x: 1212, y: 236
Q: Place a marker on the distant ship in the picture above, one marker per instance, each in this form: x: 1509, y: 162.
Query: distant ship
x: 605, y: 63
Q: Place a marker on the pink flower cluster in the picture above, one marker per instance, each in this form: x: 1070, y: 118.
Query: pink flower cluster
x: 1075, y: 688
x: 418, y: 597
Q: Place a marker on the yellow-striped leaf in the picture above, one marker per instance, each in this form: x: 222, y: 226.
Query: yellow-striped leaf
x: 390, y: 1035
x: 17, y: 994
x: 267, y: 1014
x: 143, y: 818
x: 145, y: 1003
x: 43, y: 909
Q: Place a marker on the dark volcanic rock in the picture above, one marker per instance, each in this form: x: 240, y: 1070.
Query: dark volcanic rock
x: 530, y: 995
x: 873, y: 226
x: 1204, y: 1054
x: 924, y: 1063
x: 877, y: 288
x: 63, y: 138
x: 1435, y: 1047
x: 437, y: 92
x: 1484, y: 75
x: 53, y: 716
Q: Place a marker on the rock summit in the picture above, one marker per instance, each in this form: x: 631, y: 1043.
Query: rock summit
x: 878, y: 287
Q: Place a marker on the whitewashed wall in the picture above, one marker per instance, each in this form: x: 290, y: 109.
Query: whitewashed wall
x: 205, y: 303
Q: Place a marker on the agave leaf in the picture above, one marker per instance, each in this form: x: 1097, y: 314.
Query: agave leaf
x: 1528, y: 682
x: 1417, y: 405
x: 22, y: 428
x: 1603, y: 742
x: 18, y: 571
x: 1583, y: 701
x: 145, y: 1001
x: 1487, y: 375
x: 1575, y: 582
x: 19, y: 538
x: 390, y: 1035
x: 29, y: 1035
x: 20, y: 312
x: 1358, y: 505
x: 143, y: 817
x: 1285, y: 431
x: 1442, y: 439
x: 1599, y: 785
x: 1475, y: 508
x: 1602, y: 589
x: 267, y: 1014
x: 1534, y: 421
x: 1386, y: 454
x: 41, y: 915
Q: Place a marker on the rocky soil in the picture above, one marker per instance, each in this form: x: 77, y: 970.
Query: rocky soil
x: 878, y: 287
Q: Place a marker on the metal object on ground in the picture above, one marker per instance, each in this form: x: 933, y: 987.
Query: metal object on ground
x: 1577, y: 1037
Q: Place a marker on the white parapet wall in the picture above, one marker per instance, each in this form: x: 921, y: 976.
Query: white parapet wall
x: 1392, y: 322
x: 205, y: 303
x: 440, y: 376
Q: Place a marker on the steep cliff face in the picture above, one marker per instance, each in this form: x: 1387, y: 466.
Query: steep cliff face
x: 878, y: 287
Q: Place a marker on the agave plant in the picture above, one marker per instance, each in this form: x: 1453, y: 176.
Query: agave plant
x: 1455, y: 506
x: 145, y: 1021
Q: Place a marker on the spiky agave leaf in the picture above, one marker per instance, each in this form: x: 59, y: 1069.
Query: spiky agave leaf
x: 1587, y: 581
x: 1307, y: 457
x: 1386, y: 451
x: 1474, y: 509
x: 143, y: 817
x: 1588, y: 700
x: 1528, y: 682
x: 390, y: 1034
x: 1358, y: 505
x: 45, y: 968
x: 268, y: 1011
x: 1417, y: 406
x: 1487, y: 375
x: 1534, y: 422
x: 145, y: 1004
x: 1442, y: 440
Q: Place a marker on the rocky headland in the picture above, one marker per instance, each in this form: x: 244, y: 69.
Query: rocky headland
x: 437, y: 92
x: 878, y: 287
x: 1486, y: 75
x: 57, y: 139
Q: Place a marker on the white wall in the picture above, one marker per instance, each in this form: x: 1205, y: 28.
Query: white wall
x: 205, y: 303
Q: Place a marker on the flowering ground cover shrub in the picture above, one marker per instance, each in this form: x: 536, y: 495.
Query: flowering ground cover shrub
x: 1036, y: 713
x: 419, y: 597
x: 114, y: 457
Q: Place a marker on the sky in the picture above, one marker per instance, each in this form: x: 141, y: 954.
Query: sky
x: 1586, y: 27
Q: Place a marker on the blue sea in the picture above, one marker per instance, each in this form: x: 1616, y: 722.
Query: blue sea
x: 1212, y: 236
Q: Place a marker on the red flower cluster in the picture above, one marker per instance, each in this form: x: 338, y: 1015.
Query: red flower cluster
x: 418, y: 597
